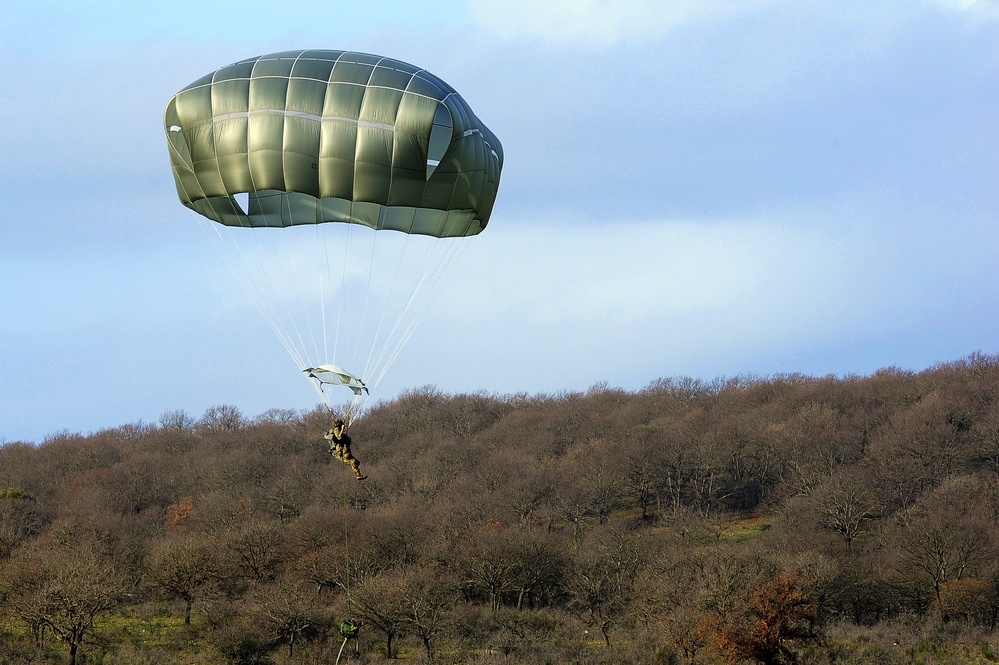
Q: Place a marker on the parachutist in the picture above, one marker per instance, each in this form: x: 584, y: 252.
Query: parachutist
x: 339, y: 442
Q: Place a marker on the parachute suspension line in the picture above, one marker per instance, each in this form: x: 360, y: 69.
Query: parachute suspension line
x: 353, y: 409
x: 235, y: 254
x: 435, y: 286
x: 305, y: 276
x: 368, y: 368
x: 436, y: 260
x: 296, y: 257
x: 239, y: 264
x: 324, y: 284
x: 343, y: 292
x: 287, y: 327
x: 379, y: 365
x: 454, y: 249
x: 452, y: 256
x: 256, y: 276
x: 367, y: 298
x: 440, y: 256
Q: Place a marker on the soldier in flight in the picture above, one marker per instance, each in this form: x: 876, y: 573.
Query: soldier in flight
x: 339, y: 442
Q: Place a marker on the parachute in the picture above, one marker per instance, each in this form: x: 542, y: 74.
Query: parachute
x: 341, y: 187
x: 336, y: 376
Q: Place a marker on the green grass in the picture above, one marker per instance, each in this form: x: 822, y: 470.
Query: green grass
x: 745, y: 528
x: 146, y: 629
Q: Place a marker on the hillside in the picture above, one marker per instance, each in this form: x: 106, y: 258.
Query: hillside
x: 753, y: 519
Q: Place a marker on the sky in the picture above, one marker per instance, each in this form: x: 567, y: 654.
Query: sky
x: 703, y: 188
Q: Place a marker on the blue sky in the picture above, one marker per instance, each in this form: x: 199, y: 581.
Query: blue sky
x: 698, y: 187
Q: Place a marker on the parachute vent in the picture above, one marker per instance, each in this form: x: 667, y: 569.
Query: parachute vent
x: 242, y: 200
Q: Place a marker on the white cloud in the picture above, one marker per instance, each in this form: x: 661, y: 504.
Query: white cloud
x: 627, y: 300
x: 602, y: 22
x: 589, y: 302
x: 978, y: 10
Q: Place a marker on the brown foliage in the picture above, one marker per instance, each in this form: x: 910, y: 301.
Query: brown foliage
x: 970, y: 599
x: 178, y: 513
x: 729, y: 519
x: 775, y: 615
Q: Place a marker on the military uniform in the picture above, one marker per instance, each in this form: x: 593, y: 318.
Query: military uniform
x: 339, y: 442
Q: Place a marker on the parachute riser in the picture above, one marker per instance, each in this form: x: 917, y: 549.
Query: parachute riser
x: 328, y: 380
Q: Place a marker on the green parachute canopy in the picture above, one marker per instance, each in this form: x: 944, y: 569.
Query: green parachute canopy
x: 324, y: 139
x: 332, y: 136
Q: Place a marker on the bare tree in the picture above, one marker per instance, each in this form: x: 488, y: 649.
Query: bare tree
x: 600, y: 588
x: 640, y: 485
x: 65, y: 592
x: 222, y: 418
x: 845, y: 504
x: 542, y: 568
x: 289, y: 613
x: 429, y: 597
x: 184, y: 566
x: 177, y: 419
x: 18, y: 519
x: 381, y: 603
x: 257, y: 549
x: 943, y: 543
x: 491, y: 564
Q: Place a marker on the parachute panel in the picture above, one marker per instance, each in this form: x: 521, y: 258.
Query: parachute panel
x: 372, y: 170
x: 343, y: 102
x: 312, y: 68
x: 385, y: 75
x: 336, y: 162
x: 277, y: 65
x: 301, y: 156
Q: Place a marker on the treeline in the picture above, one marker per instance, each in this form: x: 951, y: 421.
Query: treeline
x: 755, y: 519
